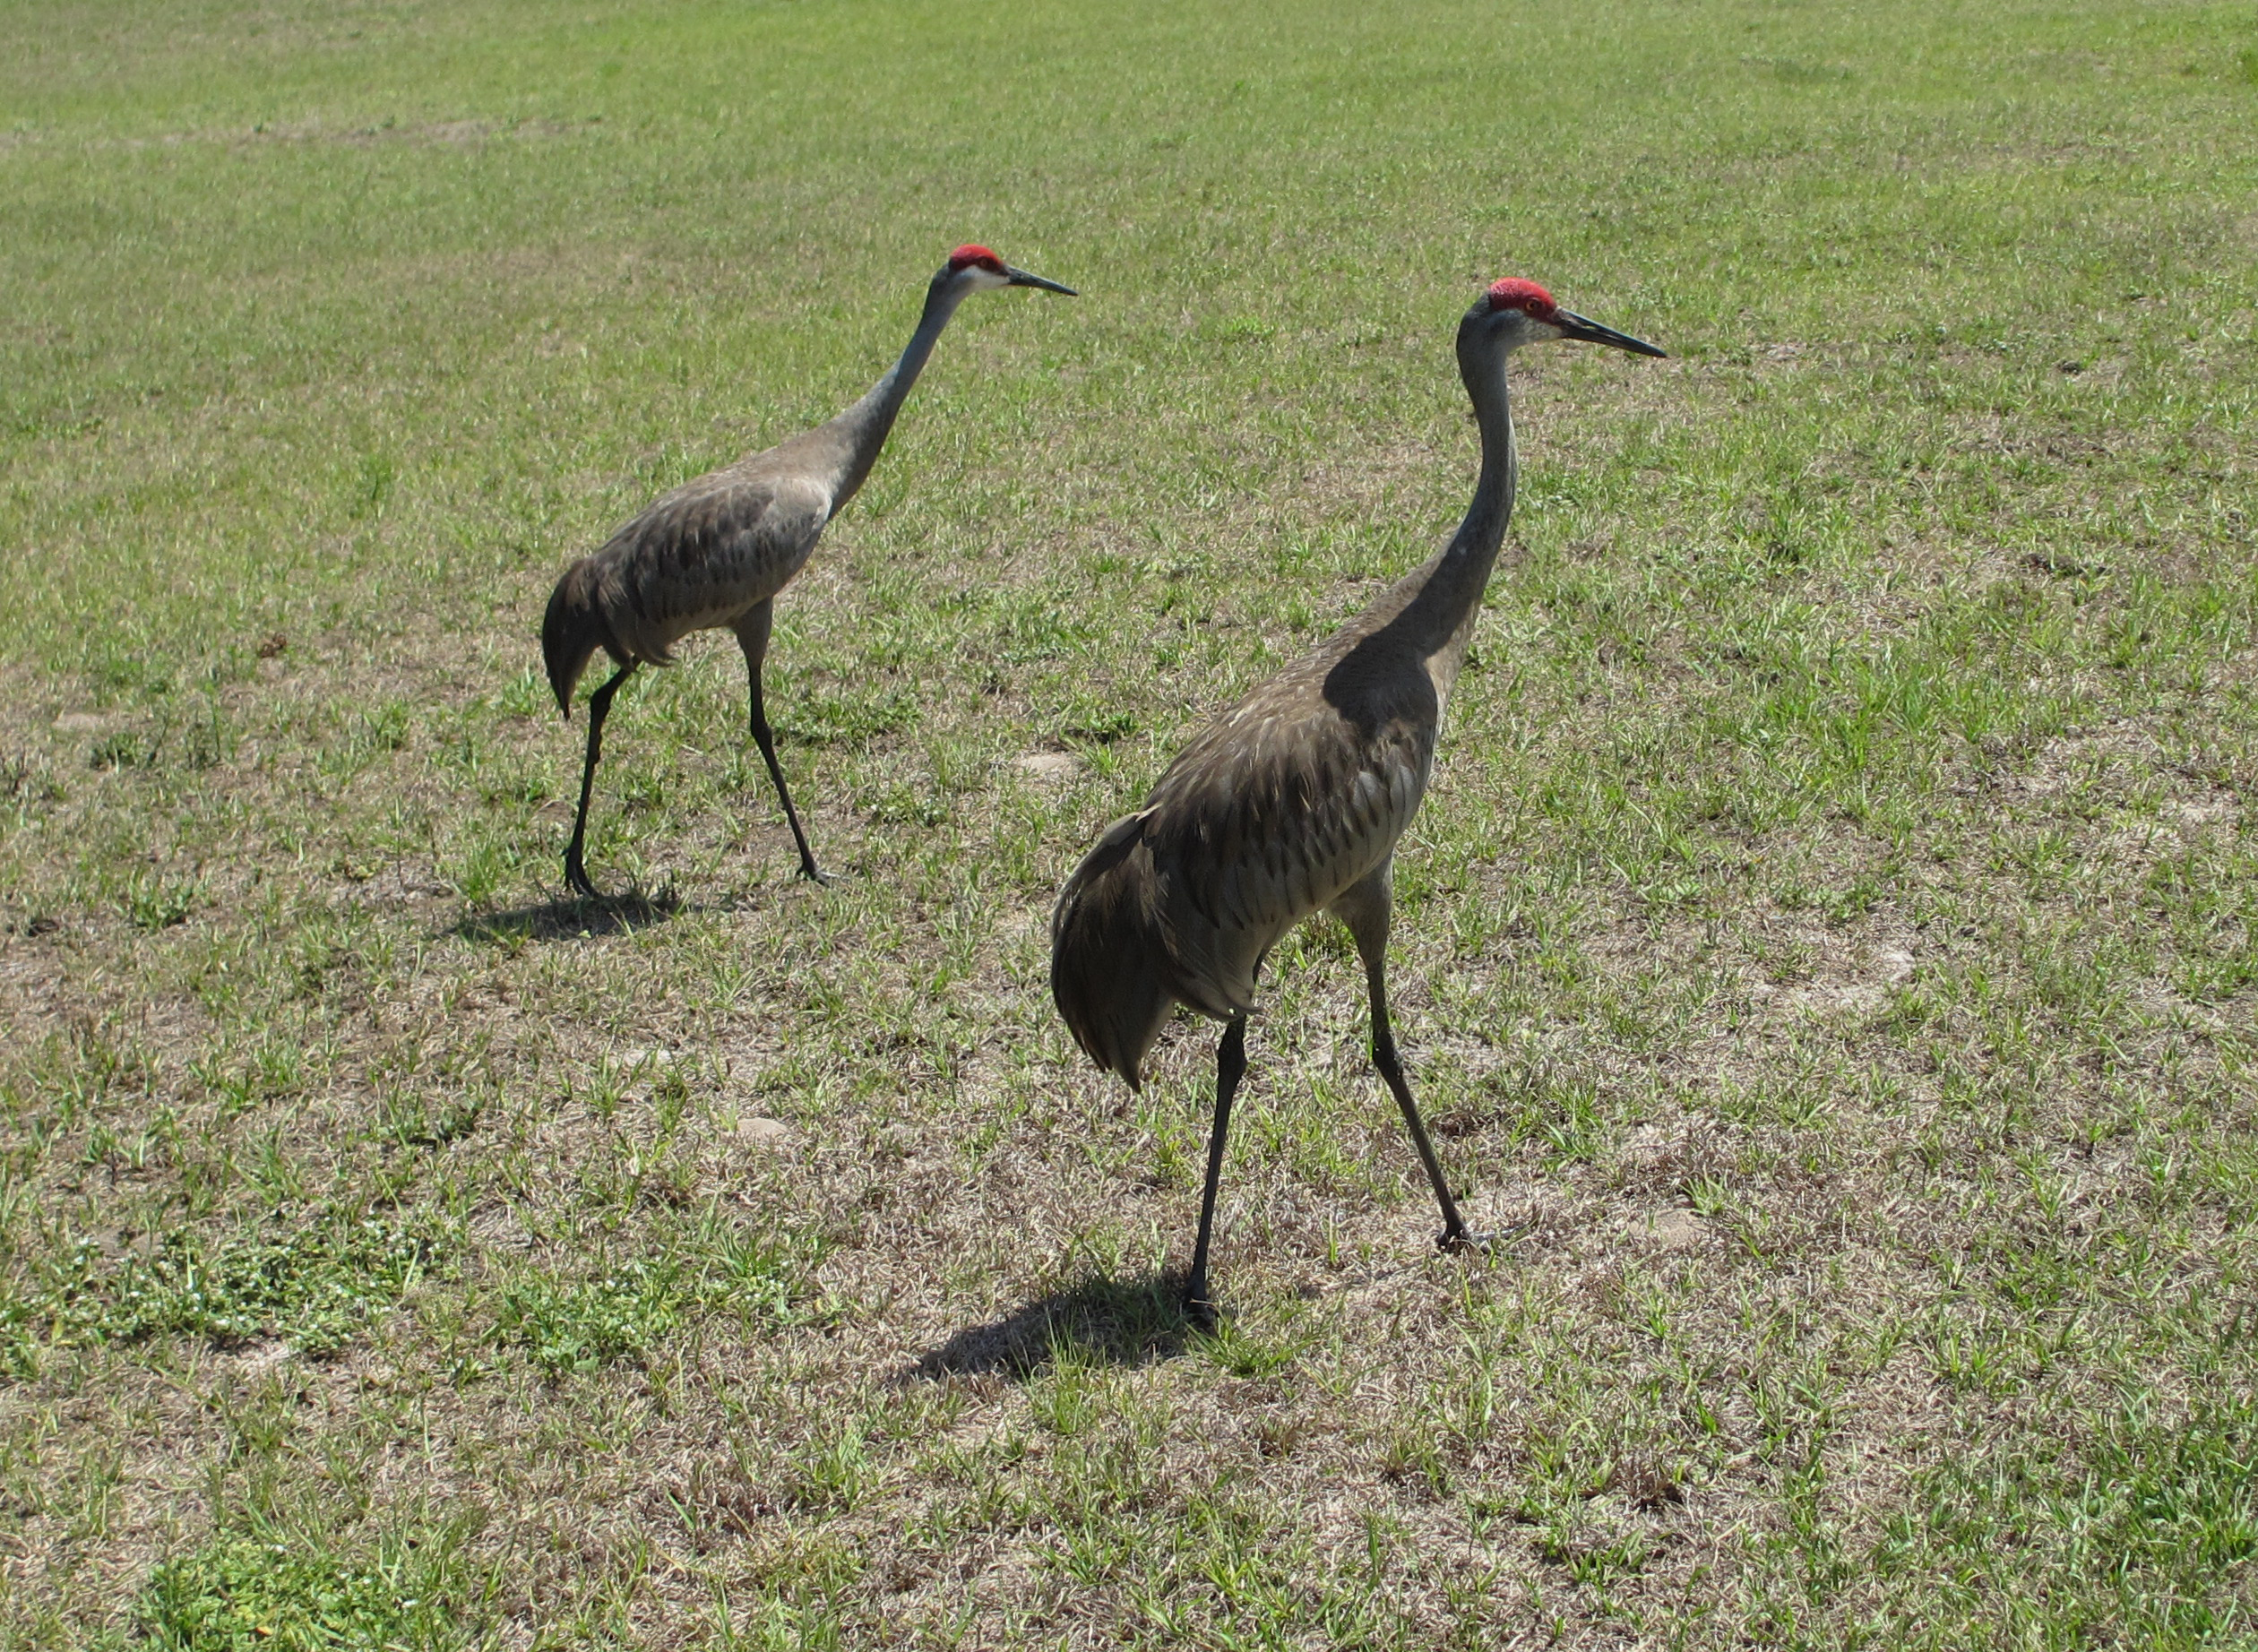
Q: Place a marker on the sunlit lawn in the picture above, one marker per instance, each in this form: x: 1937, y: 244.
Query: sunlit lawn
x: 1829, y: 941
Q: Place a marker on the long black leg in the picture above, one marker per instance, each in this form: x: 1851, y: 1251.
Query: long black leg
x: 1453, y: 1235
x: 753, y: 637
x: 1366, y: 910
x: 599, y: 708
x: 1230, y: 1067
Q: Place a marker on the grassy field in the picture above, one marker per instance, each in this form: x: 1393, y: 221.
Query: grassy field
x: 1832, y: 938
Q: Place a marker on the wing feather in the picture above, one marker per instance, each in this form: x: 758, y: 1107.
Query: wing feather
x: 1279, y: 806
x: 705, y: 553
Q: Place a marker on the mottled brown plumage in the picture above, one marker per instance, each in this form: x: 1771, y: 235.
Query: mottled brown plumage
x: 1292, y: 803
x: 714, y: 551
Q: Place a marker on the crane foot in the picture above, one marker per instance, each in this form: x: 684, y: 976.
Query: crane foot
x: 1466, y: 1241
x: 576, y: 880
x: 809, y: 871
x: 1199, y: 1303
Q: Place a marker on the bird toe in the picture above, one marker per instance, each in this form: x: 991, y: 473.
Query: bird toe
x: 1471, y: 1242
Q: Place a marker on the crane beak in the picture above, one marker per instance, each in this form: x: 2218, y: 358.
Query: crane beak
x: 1021, y: 277
x: 1574, y: 326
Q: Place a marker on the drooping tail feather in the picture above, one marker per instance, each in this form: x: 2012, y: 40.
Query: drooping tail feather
x: 572, y: 631
x: 1108, y: 966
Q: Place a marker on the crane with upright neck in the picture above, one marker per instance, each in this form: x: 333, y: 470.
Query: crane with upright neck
x: 714, y: 551
x: 1291, y: 802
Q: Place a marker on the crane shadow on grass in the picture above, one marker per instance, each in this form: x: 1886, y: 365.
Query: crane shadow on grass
x: 1101, y: 1321
x: 574, y: 917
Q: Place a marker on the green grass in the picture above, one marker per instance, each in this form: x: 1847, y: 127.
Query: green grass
x: 315, y: 1288
x: 1831, y: 944
x: 245, y: 1593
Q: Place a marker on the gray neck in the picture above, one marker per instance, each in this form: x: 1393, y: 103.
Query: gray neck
x: 1451, y: 586
x: 860, y: 431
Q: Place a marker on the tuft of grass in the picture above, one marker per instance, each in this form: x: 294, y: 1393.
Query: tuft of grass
x: 315, y: 1288
x: 576, y: 1323
x: 154, y: 902
x: 247, y: 1592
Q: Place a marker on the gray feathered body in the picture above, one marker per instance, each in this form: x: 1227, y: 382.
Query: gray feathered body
x: 1273, y: 813
x: 701, y: 557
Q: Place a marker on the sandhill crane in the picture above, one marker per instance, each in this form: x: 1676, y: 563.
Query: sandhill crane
x: 1291, y: 802
x: 715, y: 551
